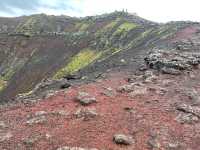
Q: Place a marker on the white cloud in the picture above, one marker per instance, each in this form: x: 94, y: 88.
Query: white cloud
x: 155, y: 10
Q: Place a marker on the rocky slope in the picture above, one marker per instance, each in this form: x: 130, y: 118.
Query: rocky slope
x: 109, y: 82
x: 149, y: 110
x: 39, y: 47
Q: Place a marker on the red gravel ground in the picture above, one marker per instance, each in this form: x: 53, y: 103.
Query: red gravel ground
x: 185, y: 34
x: 149, y: 118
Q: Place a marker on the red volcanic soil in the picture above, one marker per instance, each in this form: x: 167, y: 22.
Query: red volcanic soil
x: 150, y: 117
x: 185, y: 34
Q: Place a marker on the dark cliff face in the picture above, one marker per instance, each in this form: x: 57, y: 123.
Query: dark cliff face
x: 33, y: 48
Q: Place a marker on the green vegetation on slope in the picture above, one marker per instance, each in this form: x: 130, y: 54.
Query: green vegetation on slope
x: 127, y: 26
x: 112, y: 24
x: 79, y: 61
x: 2, y: 84
x: 82, y: 26
x: 37, y: 24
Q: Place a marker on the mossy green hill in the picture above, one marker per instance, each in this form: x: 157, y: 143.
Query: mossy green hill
x: 37, y: 47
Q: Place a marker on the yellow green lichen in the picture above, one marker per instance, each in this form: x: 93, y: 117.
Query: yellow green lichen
x: 2, y: 84
x: 108, y: 53
x: 82, y: 26
x: 127, y: 26
x: 8, y: 74
x: 79, y: 61
x: 27, y: 27
x: 112, y: 24
x: 147, y: 32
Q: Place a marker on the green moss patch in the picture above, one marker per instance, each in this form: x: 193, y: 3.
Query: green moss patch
x: 79, y: 61
x: 81, y: 26
x: 127, y: 26
x: 112, y: 24
x: 3, y: 84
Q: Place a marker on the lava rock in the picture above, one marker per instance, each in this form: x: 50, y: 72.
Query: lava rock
x: 3, y: 125
x: 65, y: 85
x: 109, y: 92
x: 85, y: 98
x: 126, y: 88
x: 5, y: 136
x: 86, y: 113
x: 123, y: 139
x: 72, y: 76
x: 171, y: 71
x: 187, y: 118
x: 166, y: 61
x: 37, y: 120
x: 75, y: 148
x: 189, y: 109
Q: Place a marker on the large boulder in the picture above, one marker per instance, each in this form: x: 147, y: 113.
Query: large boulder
x: 172, y: 62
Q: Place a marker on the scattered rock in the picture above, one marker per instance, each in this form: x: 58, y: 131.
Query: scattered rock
x: 30, y: 141
x: 75, y: 148
x: 171, y: 62
x: 174, y: 146
x: 65, y: 85
x: 125, y: 88
x: 72, y: 76
x: 193, y: 95
x: 3, y: 125
x: 60, y: 113
x: 85, y: 98
x: 153, y: 144
x: 143, y: 67
x: 123, y: 139
x: 187, y: 118
x: 86, y: 113
x: 82, y: 94
x: 40, y: 113
x: 129, y: 109
x: 37, y: 120
x: 44, y: 89
x: 167, y: 82
x: 189, y: 109
x: 138, y: 92
x: 5, y: 136
x: 171, y: 71
x: 109, y: 92
x: 129, y: 87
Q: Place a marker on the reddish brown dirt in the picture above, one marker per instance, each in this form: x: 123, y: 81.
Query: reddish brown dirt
x: 185, y: 34
x: 150, y: 116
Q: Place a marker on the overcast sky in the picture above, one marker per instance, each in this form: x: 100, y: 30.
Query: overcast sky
x: 155, y: 10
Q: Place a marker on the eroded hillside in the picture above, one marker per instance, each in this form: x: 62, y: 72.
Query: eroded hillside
x: 38, y: 47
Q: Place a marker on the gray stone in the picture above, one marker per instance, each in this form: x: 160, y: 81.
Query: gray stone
x: 30, y: 141
x: 3, y: 125
x: 153, y: 144
x: 85, y: 99
x: 189, y: 109
x: 171, y: 62
x: 86, y: 113
x: 5, y: 136
x: 109, y: 92
x: 37, y: 120
x: 187, y: 118
x: 123, y: 139
x: 171, y: 71
x: 125, y: 88
x: 75, y: 148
